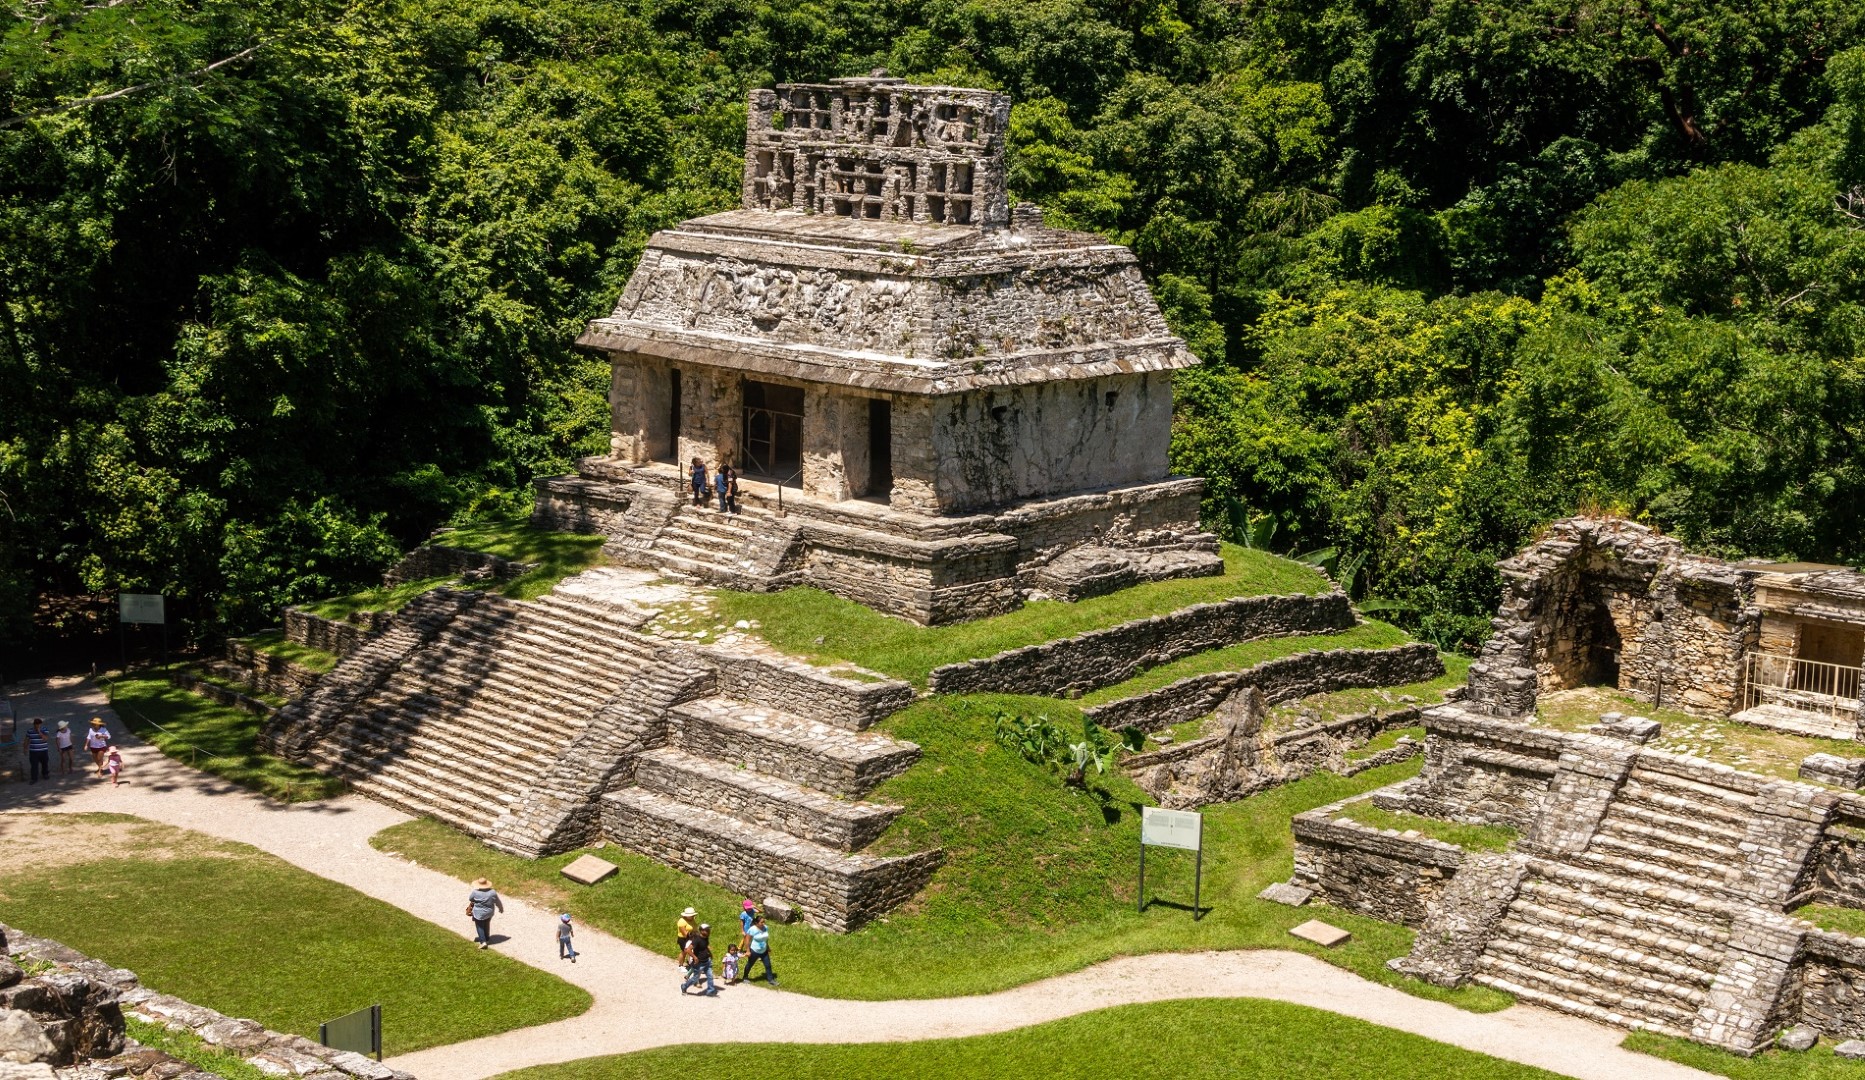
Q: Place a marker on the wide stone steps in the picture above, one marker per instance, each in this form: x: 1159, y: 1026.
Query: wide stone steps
x: 697, y: 569
x: 683, y: 548
x: 1635, y: 817
x: 1689, y: 910
x: 420, y: 792
x: 494, y: 702
x: 1695, y: 867
x: 1545, y: 993
x: 1627, y: 866
x: 763, y: 800
x: 1690, y: 795
x: 474, y: 649
x: 1583, y: 987
x: 588, y: 614
x: 570, y: 636
x: 1536, y: 945
x: 1682, y: 941
x: 809, y: 753
x: 722, y: 545
x: 393, y: 726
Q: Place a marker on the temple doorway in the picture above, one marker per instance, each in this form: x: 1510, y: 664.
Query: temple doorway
x: 880, y: 448
x: 773, y: 431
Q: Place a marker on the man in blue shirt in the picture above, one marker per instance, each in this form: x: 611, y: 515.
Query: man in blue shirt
x: 39, y: 751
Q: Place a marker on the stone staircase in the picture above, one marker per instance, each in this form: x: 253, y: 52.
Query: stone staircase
x: 463, y: 726
x: 767, y: 802
x: 1608, y: 948
x: 1666, y: 828
x: 746, y: 550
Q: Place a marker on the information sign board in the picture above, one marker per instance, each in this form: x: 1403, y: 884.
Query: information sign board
x: 1180, y: 829
x: 141, y: 608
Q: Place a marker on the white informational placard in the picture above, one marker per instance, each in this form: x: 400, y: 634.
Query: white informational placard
x: 1171, y: 828
x: 141, y: 608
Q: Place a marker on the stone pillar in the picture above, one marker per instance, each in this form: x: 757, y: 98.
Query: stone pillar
x: 915, y: 458
x: 628, y: 434
x: 835, y: 444
x: 711, y: 416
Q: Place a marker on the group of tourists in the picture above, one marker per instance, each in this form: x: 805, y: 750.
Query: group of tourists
x: 40, y: 743
x: 724, y: 484
x: 694, y: 941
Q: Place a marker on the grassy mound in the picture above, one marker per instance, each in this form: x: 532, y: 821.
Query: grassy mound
x: 557, y: 554
x: 1239, y: 1040
x: 818, y: 626
x: 232, y: 928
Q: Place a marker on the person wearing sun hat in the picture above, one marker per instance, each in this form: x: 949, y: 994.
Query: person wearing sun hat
x: 97, y: 740
x: 683, y: 933
x: 565, y: 950
x: 62, y: 740
x: 480, y: 904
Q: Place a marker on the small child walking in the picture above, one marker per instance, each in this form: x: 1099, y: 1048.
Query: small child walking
x: 565, y: 950
x: 113, y: 764
x: 730, y: 970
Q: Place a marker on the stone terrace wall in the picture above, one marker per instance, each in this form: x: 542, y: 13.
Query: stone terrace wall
x: 341, y: 637
x: 1380, y: 873
x: 838, y: 893
x: 1285, y: 679
x: 1090, y: 661
x: 108, y: 992
x: 269, y: 672
x: 1832, y: 984
x: 439, y: 560
x: 1478, y: 770
x: 779, y: 682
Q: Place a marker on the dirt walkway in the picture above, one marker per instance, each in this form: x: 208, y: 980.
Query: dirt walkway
x: 637, y: 1003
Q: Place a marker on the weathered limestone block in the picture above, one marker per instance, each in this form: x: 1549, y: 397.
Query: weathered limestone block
x: 1458, y: 927
x: 1833, y: 769
x: 1379, y: 873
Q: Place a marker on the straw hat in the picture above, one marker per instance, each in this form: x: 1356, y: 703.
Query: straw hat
x: 481, y: 883
x: 689, y: 913
x: 64, y: 725
x: 97, y: 721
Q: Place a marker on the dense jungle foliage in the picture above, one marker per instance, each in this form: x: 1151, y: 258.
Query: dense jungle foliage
x: 286, y: 283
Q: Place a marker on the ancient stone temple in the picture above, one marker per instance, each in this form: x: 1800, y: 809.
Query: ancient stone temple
x: 939, y: 406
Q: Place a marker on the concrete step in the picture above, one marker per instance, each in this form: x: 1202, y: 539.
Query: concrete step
x: 1539, y: 992
x: 1712, y: 871
x: 805, y: 752
x: 763, y: 800
x: 1576, y: 952
x: 1625, y: 1001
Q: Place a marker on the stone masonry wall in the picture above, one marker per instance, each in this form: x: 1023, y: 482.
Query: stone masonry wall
x: 269, y: 672
x: 341, y: 637
x: 1099, y: 658
x: 779, y: 682
x: 99, y: 996
x: 1285, y: 679
x: 439, y: 560
x: 1379, y: 873
x: 1480, y: 772
x: 840, y: 893
x: 1832, y: 984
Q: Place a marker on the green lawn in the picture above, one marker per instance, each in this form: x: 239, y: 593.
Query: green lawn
x: 1190, y: 1040
x: 1468, y: 837
x: 1343, y: 703
x: 212, y: 737
x: 813, y: 624
x: 558, y: 554
x: 1818, y: 1063
x: 1840, y: 920
x: 1039, y: 879
x: 272, y: 642
x: 380, y: 598
x: 237, y: 930
x: 1742, y: 746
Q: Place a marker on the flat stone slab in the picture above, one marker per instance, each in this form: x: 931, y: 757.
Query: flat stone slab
x: 588, y: 870
x: 1797, y: 1038
x: 1284, y: 893
x: 1851, y: 1049
x: 1322, y: 934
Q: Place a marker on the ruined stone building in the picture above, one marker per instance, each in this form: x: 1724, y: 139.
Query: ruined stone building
x: 1612, y: 603
x: 932, y: 397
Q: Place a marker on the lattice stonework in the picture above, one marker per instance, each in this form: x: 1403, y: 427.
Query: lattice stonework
x: 877, y: 149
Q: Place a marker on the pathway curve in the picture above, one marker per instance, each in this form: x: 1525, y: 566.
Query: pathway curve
x: 636, y: 1003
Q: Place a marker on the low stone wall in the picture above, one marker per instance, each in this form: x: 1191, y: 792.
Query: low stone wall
x: 84, y: 1001
x: 439, y: 560
x: 270, y: 673
x: 1832, y: 984
x: 213, y: 691
x: 1090, y: 661
x: 1481, y: 771
x: 1379, y: 873
x: 839, y: 893
x: 341, y: 637
x: 1284, y: 679
x: 779, y: 682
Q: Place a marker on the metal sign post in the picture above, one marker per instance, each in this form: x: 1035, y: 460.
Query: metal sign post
x: 360, y: 1031
x: 1180, y: 829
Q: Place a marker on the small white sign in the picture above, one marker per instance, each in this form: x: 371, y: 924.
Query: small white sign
x: 140, y: 608
x: 1171, y: 828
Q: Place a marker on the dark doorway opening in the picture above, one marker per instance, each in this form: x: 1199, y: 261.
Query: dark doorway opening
x: 672, y: 452
x: 1603, y: 645
x: 880, y: 447
x: 773, y: 430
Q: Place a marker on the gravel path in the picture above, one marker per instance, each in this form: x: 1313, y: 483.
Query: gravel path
x: 637, y: 1003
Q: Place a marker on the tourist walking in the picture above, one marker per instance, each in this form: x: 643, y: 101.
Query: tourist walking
x: 480, y: 904
x: 97, y: 740
x: 113, y: 764
x: 728, y: 489
x: 699, y: 482
x: 66, y: 764
x: 760, y: 951
x: 747, y: 914
x: 39, y: 751
x: 683, y: 932
x: 565, y: 950
x: 699, y: 961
